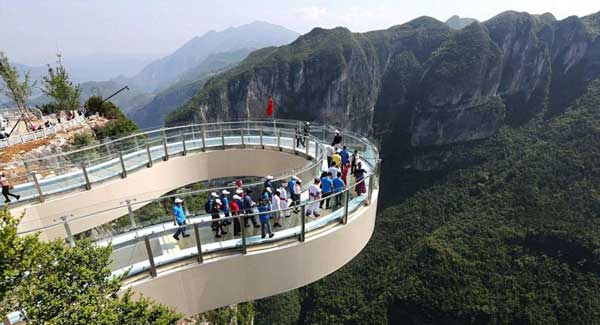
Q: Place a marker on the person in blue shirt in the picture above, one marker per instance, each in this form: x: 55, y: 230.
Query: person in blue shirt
x: 326, y: 189
x: 264, y: 216
x: 269, y: 183
x: 345, y: 156
x: 179, y: 219
x: 225, y: 205
x: 338, y: 187
x: 290, y: 189
x: 248, y: 209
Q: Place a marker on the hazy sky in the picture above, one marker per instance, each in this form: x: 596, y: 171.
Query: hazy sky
x: 32, y: 31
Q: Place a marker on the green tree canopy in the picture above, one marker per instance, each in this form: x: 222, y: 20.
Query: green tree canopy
x: 17, y: 90
x: 57, y: 86
x: 52, y: 283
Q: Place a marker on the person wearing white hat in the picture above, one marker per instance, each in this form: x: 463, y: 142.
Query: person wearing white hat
x: 306, y: 129
x: 236, y: 206
x: 337, y: 139
x: 283, y: 195
x: 225, y: 205
x: 314, y: 194
x: 179, y: 219
x: 249, y: 206
x: 269, y: 183
x: 275, y: 207
x: 216, y: 225
x: 297, y: 193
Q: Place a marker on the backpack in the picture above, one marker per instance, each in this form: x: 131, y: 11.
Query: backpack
x: 208, y: 206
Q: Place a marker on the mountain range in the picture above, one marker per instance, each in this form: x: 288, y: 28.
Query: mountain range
x: 165, y: 71
x: 490, y: 140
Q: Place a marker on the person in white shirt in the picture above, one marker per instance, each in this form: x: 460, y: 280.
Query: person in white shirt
x: 314, y: 194
x: 334, y: 170
x: 297, y: 193
x: 275, y: 207
x: 284, y: 200
x: 329, y: 152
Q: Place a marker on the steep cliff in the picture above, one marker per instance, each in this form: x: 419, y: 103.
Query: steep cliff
x: 421, y: 86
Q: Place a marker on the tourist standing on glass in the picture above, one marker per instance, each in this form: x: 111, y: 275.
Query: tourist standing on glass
x: 275, y: 207
x: 235, y: 207
x: 179, y: 219
x: 6, y: 187
x: 265, y: 216
x: 337, y: 139
x: 314, y: 194
x: 249, y: 209
x: 216, y: 224
x: 326, y: 189
x: 359, y: 175
x: 354, y: 161
x: 283, y: 195
x: 338, y: 187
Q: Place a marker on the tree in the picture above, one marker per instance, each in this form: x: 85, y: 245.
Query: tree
x: 57, y: 86
x: 53, y: 283
x: 95, y: 104
x: 18, y: 91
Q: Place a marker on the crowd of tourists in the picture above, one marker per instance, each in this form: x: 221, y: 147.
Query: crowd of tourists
x: 277, y: 201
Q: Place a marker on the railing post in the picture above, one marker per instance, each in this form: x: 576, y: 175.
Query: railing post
x: 166, y: 156
x: 371, y: 182
x: 184, y: 152
x: 198, y: 243
x: 303, y: 226
x: 150, y: 257
x: 241, y: 222
x: 346, y: 201
x: 222, y: 137
x: 88, y: 185
x: 261, y: 138
x: 203, y: 140
x: 307, y: 146
x: 123, y: 169
x: 278, y: 139
x: 38, y: 188
x: 131, y: 215
x: 294, y: 144
x: 242, y: 136
x: 68, y: 231
x: 149, y: 163
x: 27, y: 171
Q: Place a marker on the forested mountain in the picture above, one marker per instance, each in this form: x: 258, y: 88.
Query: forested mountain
x: 490, y: 204
x: 165, y: 71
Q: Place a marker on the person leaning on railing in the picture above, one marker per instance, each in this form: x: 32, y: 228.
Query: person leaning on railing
x: 6, y: 187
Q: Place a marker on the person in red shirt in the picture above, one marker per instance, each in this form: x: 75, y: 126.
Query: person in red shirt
x: 345, y: 171
x: 235, y: 208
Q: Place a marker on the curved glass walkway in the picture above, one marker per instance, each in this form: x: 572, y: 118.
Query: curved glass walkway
x: 144, y: 247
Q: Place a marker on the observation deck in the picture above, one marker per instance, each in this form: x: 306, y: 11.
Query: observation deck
x: 116, y: 193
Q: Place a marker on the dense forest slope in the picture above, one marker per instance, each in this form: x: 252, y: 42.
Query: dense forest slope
x: 515, y: 238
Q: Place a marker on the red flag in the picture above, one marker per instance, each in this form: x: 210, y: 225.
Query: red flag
x: 270, y: 107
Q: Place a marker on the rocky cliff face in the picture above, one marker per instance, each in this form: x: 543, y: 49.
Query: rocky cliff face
x: 418, y: 85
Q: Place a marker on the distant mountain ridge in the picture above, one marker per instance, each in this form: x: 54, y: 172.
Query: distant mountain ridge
x: 163, y: 72
x: 457, y: 22
x: 153, y: 113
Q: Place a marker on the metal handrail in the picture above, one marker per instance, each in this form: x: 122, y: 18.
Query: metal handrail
x: 318, y: 160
